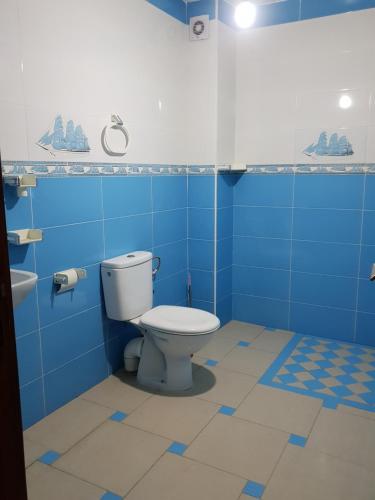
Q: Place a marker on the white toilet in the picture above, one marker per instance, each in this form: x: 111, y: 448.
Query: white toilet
x: 171, y: 334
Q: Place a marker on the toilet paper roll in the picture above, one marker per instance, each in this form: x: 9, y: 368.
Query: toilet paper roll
x: 69, y: 278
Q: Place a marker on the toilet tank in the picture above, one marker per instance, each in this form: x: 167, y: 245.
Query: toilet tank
x: 127, y: 285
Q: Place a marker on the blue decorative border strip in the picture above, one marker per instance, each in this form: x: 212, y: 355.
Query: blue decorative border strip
x: 43, y: 168
x: 328, y: 401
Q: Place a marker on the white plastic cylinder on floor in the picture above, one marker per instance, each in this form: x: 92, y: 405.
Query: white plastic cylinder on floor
x: 132, y: 354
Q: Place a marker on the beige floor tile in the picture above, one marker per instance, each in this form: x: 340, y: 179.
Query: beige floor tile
x: 272, y: 341
x: 346, y: 436
x: 238, y: 330
x: 176, y: 418
x: 60, y: 430
x: 242, y: 448
x: 217, y: 348
x: 309, y: 475
x: 247, y: 360
x: 119, y: 392
x: 356, y: 411
x: 283, y: 410
x: 178, y: 478
x: 114, y: 456
x: 229, y: 388
x: 33, y: 451
x: 47, y: 483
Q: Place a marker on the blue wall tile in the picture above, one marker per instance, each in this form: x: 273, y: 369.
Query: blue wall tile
x: 224, y: 253
x: 173, y: 258
x: 325, y: 258
x: 201, y: 7
x: 261, y: 311
x: 201, y: 191
x: 225, y: 189
x: 271, y: 283
x: 26, y: 315
x: 224, y: 283
x: 18, y: 210
x: 322, y: 321
x: 171, y: 290
x: 32, y: 403
x: 367, y: 259
x: 74, y: 378
x: 327, y: 225
x: 333, y: 291
x: 22, y: 257
x: 264, y: 190
x: 329, y: 191
x: 368, y: 235
x: 366, y: 296
x: 29, y: 358
x: 261, y: 252
x: 69, y: 246
x: 369, y: 203
x: 365, y: 329
x: 201, y: 254
x: 202, y: 285
x: 169, y: 192
x: 127, y: 235
x: 54, y: 307
x: 126, y: 196
x: 224, y: 222
x: 263, y: 222
x: 201, y: 223
x: 169, y: 226
x: 66, y: 340
x: 224, y: 310
x: 59, y: 201
x: 278, y: 13
x: 320, y: 8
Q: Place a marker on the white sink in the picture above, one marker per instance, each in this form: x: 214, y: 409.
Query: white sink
x: 22, y: 284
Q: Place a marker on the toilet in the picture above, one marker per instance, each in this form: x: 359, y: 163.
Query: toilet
x: 170, y: 334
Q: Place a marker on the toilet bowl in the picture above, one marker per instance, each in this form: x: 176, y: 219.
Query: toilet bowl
x: 170, y: 334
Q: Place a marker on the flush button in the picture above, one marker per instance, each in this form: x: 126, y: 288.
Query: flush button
x: 130, y: 256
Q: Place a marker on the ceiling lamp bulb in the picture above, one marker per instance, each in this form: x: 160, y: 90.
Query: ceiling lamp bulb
x: 245, y: 14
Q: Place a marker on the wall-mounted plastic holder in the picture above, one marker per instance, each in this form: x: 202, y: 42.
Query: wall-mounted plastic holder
x: 24, y: 236
x: 21, y: 182
x: 115, y: 124
x: 67, y: 280
x: 233, y: 167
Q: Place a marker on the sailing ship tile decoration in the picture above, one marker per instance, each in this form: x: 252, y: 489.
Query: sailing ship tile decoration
x: 334, y: 146
x: 69, y: 139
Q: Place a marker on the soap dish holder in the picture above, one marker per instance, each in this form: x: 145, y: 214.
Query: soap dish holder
x: 21, y: 182
x: 24, y: 236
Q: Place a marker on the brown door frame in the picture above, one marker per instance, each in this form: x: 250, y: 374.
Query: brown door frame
x: 12, y: 462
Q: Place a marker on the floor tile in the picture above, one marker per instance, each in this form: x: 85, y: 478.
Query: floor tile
x: 237, y: 330
x: 272, y: 341
x: 174, y: 477
x: 239, y: 447
x: 283, y: 410
x: 217, y: 348
x: 229, y: 388
x: 305, y: 474
x: 32, y: 451
x: 63, y: 428
x: 115, y: 456
x: 116, y: 392
x: 356, y: 411
x: 248, y: 360
x: 176, y: 418
x: 45, y: 483
x: 346, y: 436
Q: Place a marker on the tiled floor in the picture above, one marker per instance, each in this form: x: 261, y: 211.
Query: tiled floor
x: 230, y: 438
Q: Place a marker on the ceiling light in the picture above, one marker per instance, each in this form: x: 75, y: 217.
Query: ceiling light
x: 245, y: 14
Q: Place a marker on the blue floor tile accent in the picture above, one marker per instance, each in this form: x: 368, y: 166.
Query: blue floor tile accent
x: 110, y: 496
x: 336, y: 372
x: 211, y: 362
x: 227, y: 410
x: 49, y: 457
x: 119, y: 416
x: 297, y: 440
x: 253, y: 489
x: 242, y: 343
x: 177, y: 448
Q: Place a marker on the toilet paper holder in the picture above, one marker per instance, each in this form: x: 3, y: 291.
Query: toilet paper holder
x: 66, y: 280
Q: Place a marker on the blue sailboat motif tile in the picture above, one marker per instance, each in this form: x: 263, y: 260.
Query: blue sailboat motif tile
x: 70, y: 138
x: 335, y: 146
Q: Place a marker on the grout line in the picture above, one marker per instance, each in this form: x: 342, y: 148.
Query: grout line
x: 291, y: 252
x: 215, y: 179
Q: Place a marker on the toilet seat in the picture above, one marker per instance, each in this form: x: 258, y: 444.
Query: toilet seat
x: 177, y: 320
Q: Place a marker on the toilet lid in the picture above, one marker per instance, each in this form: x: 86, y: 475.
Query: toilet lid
x: 180, y: 320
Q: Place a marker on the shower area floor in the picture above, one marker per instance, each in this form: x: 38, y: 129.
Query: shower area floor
x: 272, y: 415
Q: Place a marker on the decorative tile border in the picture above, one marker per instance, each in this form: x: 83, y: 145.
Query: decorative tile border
x: 43, y: 169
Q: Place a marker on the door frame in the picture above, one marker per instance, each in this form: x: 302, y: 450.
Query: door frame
x: 12, y: 461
